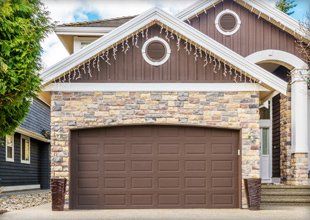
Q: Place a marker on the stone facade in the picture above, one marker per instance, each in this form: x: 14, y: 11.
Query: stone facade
x: 285, y: 137
x: 299, y: 166
x: 93, y: 109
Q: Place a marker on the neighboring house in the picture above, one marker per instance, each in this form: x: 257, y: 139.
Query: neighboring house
x: 164, y: 111
x: 25, y: 154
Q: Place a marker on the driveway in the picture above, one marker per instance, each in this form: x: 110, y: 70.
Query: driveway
x: 275, y: 213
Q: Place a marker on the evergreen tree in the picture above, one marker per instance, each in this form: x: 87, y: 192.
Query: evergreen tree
x: 23, y: 25
x: 286, y: 6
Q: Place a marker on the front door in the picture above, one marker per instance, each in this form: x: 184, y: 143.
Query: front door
x: 265, y: 151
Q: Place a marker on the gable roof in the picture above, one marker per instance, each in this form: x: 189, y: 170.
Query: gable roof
x: 262, y: 8
x: 189, y: 32
x: 112, y: 22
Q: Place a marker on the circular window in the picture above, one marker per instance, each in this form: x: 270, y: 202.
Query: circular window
x: 156, y: 51
x: 227, y: 22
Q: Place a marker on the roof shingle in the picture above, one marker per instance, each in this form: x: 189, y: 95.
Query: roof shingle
x: 113, y: 22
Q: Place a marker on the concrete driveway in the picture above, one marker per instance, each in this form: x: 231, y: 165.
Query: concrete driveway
x: 275, y: 213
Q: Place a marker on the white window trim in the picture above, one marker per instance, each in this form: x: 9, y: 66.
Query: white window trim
x: 6, y: 145
x: 144, y: 52
x: 21, y: 152
x: 217, y: 22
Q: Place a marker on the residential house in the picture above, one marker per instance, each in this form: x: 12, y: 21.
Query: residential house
x: 25, y: 154
x: 174, y: 111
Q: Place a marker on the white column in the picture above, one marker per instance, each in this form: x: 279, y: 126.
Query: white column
x: 299, y: 111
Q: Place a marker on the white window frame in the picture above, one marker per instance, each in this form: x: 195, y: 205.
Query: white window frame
x: 78, y: 41
x: 26, y: 138
x: 147, y: 59
x: 6, y: 150
x: 218, y: 26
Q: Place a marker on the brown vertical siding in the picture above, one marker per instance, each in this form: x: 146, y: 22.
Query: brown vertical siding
x: 255, y: 34
x: 276, y: 136
x: 132, y: 67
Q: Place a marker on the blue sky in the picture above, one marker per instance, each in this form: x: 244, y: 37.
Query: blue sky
x: 303, y: 6
x: 66, y: 11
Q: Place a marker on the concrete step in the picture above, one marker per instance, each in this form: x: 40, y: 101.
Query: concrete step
x: 275, y: 186
x: 285, y: 195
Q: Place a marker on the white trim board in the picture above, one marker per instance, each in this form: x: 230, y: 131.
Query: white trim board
x: 83, y: 31
x: 32, y: 134
x: 135, y: 87
x: 20, y: 188
x: 278, y: 56
x: 263, y: 8
x: 180, y: 27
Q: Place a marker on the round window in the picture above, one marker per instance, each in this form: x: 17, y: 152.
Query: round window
x: 227, y: 22
x: 156, y: 51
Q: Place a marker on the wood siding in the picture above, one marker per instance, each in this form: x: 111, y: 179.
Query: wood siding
x: 276, y: 136
x: 255, y: 34
x: 131, y: 67
x: 38, y: 117
x: 17, y: 173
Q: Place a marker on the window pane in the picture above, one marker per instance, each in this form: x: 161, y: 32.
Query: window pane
x: 265, y: 141
x: 23, y: 149
x: 9, y: 152
x: 27, y: 153
x: 9, y: 142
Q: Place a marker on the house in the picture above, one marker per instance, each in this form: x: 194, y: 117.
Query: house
x: 25, y: 154
x: 174, y: 111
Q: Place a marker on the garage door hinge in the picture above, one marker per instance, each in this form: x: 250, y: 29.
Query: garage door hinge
x: 238, y: 152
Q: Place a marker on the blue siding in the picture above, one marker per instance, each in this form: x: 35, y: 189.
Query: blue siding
x: 17, y: 173
x: 38, y: 118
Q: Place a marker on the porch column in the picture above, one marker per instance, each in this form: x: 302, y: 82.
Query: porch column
x: 299, y: 157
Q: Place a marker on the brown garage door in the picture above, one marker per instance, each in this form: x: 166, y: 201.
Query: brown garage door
x: 154, y: 167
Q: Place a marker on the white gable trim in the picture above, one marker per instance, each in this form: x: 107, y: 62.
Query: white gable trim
x: 154, y: 87
x: 83, y: 31
x: 180, y: 27
x: 260, y: 7
x: 278, y: 56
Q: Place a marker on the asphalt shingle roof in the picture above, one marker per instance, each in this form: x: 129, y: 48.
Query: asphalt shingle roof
x: 113, y: 22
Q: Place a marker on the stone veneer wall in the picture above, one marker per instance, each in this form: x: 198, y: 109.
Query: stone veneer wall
x: 93, y: 109
x: 285, y: 137
x: 299, y: 166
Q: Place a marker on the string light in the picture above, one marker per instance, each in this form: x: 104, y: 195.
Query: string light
x: 198, y: 52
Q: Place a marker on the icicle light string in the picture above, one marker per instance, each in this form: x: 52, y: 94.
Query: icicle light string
x: 189, y: 47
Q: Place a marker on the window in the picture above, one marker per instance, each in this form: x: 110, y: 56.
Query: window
x: 265, y: 141
x: 9, y: 148
x: 25, y: 149
x: 227, y: 22
x: 156, y: 51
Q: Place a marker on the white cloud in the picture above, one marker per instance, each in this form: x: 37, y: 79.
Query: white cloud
x: 67, y: 11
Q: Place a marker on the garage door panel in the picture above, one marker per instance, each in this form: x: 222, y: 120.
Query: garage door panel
x: 222, y: 165
x: 195, y: 165
x: 195, y: 148
x: 114, y: 165
x: 146, y: 200
x: 169, y: 148
x: 114, y: 148
x: 86, y: 149
x: 142, y: 182
x: 144, y: 148
x: 155, y: 167
x: 168, y: 165
x: 222, y: 148
x: 115, y: 182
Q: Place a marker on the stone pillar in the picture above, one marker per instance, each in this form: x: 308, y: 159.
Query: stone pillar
x: 285, y: 136
x: 299, y: 157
